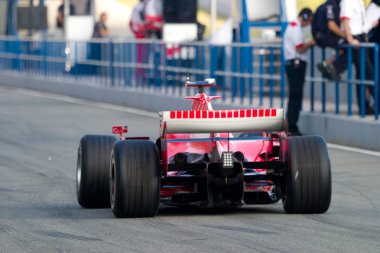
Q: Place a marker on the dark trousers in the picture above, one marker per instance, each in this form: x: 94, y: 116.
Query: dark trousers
x: 329, y: 39
x: 368, y: 70
x: 340, y: 63
x: 296, y: 71
x: 374, y: 37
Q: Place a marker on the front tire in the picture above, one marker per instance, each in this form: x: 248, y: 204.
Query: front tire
x: 93, y: 165
x: 308, y: 180
x: 134, y: 179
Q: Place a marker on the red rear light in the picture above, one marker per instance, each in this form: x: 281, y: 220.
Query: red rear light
x: 120, y: 130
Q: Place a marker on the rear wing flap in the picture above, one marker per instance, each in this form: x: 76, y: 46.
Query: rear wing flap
x: 220, y: 121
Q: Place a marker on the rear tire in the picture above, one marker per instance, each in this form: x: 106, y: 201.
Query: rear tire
x: 308, y: 180
x: 93, y: 165
x: 134, y: 179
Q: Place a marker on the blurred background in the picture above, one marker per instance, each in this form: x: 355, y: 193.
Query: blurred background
x: 15, y: 15
x: 154, y: 45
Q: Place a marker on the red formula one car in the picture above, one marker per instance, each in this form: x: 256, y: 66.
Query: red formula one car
x: 205, y: 157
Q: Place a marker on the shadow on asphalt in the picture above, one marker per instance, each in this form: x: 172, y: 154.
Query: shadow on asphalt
x: 76, y: 212
x: 191, y: 210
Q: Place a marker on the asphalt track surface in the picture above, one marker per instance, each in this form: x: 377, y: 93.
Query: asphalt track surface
x: 39, y: 135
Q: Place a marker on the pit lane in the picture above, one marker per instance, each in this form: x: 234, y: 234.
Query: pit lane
x: 39, y: 134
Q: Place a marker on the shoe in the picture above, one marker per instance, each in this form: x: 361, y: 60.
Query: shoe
x: 328, y: 71
x: 322, y: 68
x: 334, y: 76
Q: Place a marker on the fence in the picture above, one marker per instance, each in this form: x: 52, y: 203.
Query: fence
x: 247, y: 73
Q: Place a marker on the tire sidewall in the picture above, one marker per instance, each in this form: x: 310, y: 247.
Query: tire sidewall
x: 308, y: 162
x: 137, y: 178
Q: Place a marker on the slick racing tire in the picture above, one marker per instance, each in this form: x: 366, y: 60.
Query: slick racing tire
x: 134, y: 179
x: 93, y: 165
x: 308, y: 179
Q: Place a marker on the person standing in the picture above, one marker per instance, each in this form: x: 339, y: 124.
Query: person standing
x: 138, y: 26
x: 97, y: 47
x: 295, y: 48
x: 353, y: 16
x: 372, y: 21
x: 154, y: 19
x: 137, y: 21
x: 100, y: 28
x: 373, y: 29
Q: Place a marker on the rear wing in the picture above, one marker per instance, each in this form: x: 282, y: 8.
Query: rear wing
x: 219, y: 121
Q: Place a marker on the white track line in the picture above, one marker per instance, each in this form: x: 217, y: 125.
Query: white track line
x: 87, y: 102
x: 150, y: 114
x: 355, y: 150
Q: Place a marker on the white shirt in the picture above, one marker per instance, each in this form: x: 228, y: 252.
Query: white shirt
x: 136, y: 20
x: 154, y: 8
x: 293, y: 39
x: 153, y: 14
x: 372, y: 15
x: 354, y: 11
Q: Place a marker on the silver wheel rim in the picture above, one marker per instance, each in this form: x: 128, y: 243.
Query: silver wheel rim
x: 112, y: 185
x: 79, y: 169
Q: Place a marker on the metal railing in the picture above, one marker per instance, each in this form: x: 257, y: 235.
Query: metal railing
x: 348, y: 81
x: 247, y: 73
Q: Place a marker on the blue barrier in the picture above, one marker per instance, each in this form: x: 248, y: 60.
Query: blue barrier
x: 364, y: 82
x: 247, y: 73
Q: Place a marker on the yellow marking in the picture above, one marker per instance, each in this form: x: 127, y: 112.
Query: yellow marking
x: 313, y: 4
x: 130, y: 3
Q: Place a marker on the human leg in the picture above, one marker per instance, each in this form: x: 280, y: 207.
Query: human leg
x: 296, y: 79
x: 368, y: 75
x: 335, y: 65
